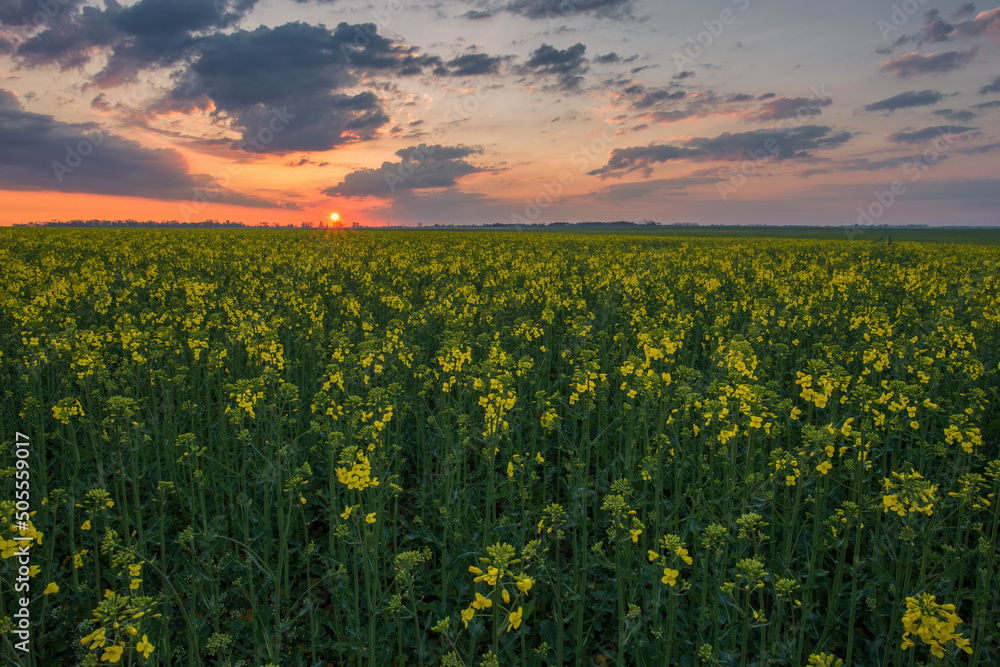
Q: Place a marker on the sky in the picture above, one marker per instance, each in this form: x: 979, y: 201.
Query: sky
x: 501, y: 111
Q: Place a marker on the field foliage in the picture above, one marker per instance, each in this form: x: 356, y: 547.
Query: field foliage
x: 403, y: 448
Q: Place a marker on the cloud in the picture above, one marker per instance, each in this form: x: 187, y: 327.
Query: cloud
x: 912, y: 64
x: 962, y: 116
x: 979, y: 150
x: 147, y: 33
x: 934, y: 28
x: 97, y: 162
x: 553, y: 9
x: 913, y: 98
x: 682, y: 75
x: 642, y: 189
x: 419, y: 168
x: 608, y: 58
x: 864, y: 164
x: 652, y: 97
x: 993, y: 87
x: 985, y: 23
x: 781, y: 108
x: 470, y: 64
x: 797, y: 142
x: 963, y: 10
x: 925, y: 134
x: 298, y: 71
x: 475, y: 15
x: 987, y: 105
x: 567, y: 64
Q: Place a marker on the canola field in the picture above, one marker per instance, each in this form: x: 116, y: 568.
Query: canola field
x: 292, y: 448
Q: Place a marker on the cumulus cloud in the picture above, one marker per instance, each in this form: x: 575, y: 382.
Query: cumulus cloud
x: 44, y: 154
x: 298, y: 71
x: 782, y: 108
x: 912, y: 64
x: 147, y: 33
x: 798, y: 142
x: 568, y: 65
x: 419, y: 168
x: 913, y: 98
x: 925, y: 134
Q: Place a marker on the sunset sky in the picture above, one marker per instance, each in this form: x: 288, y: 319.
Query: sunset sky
x: 716, y: 112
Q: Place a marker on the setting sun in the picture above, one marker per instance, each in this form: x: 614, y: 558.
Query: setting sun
x: 335, y: 216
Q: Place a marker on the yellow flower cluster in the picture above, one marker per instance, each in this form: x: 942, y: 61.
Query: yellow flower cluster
x: 359, y: 475
x: 933, y: 623
x: 912, y: 493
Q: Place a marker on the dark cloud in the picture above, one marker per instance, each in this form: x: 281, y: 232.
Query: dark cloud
x: 682, y: 75
x: 864, y: 164
x: 993, y: 87
x: 653, y: 97
x: 304, y: 161
x: 913, y: 98
x: 146, y: 34
x: 784, y: 108
x: 475, y: 15
x: 470, y: 64
x: 567, y: 64
x: 987, y: 105
x: 962, y: 116
x: 555, y: 9
x: 44, y: 154
x: 965, y: 9
x: 662, y: 105
x: 71, y: 39
x: 797, y: 142
x: 886, y: 50
x: 295, y: 70
x: 608, y: 58
x: 419, y: 168
x: 985, y: 24
x: 934, y: 28
x: 912, y: 64
x: 926, y: 134
x: 31, y: 14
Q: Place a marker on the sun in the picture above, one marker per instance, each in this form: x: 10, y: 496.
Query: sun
x: 335, y: 217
